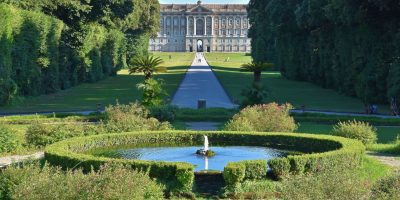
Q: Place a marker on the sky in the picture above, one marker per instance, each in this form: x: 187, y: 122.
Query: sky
x: 205, y: 1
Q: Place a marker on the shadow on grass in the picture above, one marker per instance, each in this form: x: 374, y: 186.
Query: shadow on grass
x: 226, y: 69
x: 177, y: 68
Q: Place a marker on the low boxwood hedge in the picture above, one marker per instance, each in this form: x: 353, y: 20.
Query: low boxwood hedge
x: 319, y: 153
x: 236, y: 172
x: 333, y: 119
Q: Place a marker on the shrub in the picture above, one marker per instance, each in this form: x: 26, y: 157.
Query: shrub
x: 111, y: 182
x: 356, y: 130
x: 280, y: 167
x: 256, y: 94
x: 166, y: 113
x: 153, y: 92
x: 237, y: 172
x: 8, y: 140
x: 255, y: 169
x: 132, y: 117
x: 328, y: 185
x: 387, y: 188
x: 234, y: 174
x: 264, y: 118
x: 41, y: 135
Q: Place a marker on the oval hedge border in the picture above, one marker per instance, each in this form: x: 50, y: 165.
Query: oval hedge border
x: 321, y: 152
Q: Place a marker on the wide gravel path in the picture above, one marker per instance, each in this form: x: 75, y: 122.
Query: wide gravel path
x: 200, y: 82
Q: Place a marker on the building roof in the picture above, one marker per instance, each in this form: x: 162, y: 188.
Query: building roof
x: 212, y: 7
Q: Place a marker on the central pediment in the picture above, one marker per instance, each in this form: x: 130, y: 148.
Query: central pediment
x: 200, y: 9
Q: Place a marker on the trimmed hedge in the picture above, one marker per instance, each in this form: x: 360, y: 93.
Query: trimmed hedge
x: 333, y: 119
x: 237, y: 172
x: 36, y: 57
x: 320, y: 153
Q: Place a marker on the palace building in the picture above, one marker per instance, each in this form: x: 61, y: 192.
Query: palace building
x: 202, y: 28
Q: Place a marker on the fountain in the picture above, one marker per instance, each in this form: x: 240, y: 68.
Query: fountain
x: 205, y: 151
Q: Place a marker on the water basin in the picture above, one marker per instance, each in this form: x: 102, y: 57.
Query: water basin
x: 223, y: 155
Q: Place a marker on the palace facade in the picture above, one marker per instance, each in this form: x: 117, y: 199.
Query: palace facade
x: 202, y: 28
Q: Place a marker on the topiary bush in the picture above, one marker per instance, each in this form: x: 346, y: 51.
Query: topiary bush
x: 263, y: 118
x: 280, y: 167
x: 234, y: 174
x: 237, y: 172
x: 387, y: 188
x: 362, y: 131
x: 131, y: 117
x: 8, y: 140
x: 110, y: 182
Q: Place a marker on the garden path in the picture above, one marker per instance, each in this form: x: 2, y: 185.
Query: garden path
x: 200, y: 82
x: 9, y: 160
x: 203, y: 126
x: 387, y: 159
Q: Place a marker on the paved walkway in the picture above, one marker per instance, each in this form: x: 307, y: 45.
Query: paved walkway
x: 387, y: 159
x: 203, y: 126
x: 200, y: 82
x: 352, y: 114
x: 9, y: 160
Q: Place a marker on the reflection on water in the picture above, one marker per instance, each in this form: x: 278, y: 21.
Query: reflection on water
x: 187, y: 154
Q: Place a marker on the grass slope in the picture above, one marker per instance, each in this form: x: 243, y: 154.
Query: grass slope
x: 281, y: 90
x: 121, y: 88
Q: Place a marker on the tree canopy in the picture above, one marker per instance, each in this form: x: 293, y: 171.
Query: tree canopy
x: 48, y: 45
x: 350, y: 46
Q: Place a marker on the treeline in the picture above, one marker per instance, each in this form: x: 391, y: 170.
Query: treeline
x: 350, y: 46
x: 52, y: 45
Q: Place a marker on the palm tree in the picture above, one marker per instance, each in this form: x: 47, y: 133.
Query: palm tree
x: 257, y: 68
x: 147, y: 65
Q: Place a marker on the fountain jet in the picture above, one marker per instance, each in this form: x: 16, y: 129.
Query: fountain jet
x: 205, y: 143
x: 205, y: 151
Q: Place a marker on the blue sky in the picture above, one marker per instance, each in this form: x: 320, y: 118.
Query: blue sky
x: 205, y: 1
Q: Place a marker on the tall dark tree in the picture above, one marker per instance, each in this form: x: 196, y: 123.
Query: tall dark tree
x: 350, y: 46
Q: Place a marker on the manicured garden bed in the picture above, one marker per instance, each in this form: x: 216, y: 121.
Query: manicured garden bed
x: 319, y: 153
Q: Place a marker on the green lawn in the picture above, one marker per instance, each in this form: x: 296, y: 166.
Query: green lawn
x: 121, y: 88
x: 385, y: 134
x: 280, y: 89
